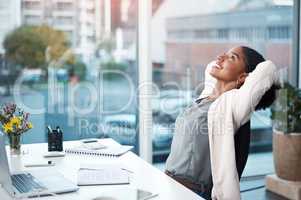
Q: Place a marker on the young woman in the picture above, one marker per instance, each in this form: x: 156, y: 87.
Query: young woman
x: 207, y: 154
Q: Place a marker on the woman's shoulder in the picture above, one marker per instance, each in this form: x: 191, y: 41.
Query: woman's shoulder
x: 226, y: 100
x: 224, y: 107
x: 228, y: 95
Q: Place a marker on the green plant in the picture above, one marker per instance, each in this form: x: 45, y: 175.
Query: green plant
x: 286, y: 111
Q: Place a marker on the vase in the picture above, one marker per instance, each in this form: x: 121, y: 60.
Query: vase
x: 287, y: 154
x: 15, y: 144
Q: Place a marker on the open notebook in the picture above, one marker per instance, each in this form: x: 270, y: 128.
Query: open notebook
x: 100, y: 149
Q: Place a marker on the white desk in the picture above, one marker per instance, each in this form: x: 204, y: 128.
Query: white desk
x: 145, y: 176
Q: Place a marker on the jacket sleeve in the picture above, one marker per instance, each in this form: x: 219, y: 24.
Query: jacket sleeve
x: 209, y: 81
x: 222, y: 150
x: 248, y: 96
x: 225, y: 115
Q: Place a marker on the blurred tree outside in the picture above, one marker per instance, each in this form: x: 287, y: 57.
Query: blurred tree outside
x: 57, y: 43
x: 24, y: 47
x: 27, y: 45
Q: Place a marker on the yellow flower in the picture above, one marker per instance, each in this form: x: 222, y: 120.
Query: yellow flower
x: 16, y: 121
x: 8, y: 127
x: 29, y: 125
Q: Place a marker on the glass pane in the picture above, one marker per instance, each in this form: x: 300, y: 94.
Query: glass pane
x: 72, y: 64
x: 187, y: 35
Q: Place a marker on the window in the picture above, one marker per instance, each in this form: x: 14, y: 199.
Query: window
x: 89, y: 80
x: 194, y: 37
x: 64, y: 20
x: 64, y: 6
x: 31, y: 5
x: 279, y: 32
x: 32, y: 19
x: 223, y: 33
x: 243, y: 34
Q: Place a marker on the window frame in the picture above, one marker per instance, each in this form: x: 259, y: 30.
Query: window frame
x: 294, y: 73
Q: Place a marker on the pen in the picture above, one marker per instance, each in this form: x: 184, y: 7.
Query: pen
x: 91, y: 169
x: 89, y: 141
x: 49, y: 163
x: 150, y: 197
x: 127, y: 170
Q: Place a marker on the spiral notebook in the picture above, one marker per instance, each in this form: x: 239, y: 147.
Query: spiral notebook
x: 105, y: 150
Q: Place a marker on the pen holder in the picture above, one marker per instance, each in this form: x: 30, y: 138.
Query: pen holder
x: 55, y: 139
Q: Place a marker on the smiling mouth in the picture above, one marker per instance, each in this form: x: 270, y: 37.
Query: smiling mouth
x: 217, y: 66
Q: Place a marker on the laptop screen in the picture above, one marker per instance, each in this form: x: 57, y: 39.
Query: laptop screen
x: 5, y: 179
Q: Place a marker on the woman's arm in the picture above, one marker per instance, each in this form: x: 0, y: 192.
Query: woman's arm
x: 227, y: 114
x: 209, y: 81
x: 250, y: 93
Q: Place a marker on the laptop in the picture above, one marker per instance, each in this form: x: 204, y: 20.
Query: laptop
x: 31, y: 183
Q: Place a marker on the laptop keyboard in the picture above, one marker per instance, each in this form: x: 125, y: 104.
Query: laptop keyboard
x: 25, y: 183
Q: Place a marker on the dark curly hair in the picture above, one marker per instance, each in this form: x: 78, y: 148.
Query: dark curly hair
x: 252, y: 59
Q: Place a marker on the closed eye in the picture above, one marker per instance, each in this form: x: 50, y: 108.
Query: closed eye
x: 232, y: 57
x: 235, y: 55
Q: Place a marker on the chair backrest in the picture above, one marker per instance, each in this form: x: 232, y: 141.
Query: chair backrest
x: 242, y: 145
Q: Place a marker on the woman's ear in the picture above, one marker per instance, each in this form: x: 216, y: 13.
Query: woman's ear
x: 242, y: 77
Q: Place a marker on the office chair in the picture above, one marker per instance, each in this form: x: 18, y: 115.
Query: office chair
x: 242, y: 145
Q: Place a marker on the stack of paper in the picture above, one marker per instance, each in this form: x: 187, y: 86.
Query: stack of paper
x: 106, y: 174
x: 127, y: 193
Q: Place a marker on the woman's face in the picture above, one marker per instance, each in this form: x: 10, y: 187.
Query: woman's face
x: 229, y: 66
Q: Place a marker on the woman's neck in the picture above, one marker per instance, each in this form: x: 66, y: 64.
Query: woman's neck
x: 221, y: 87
